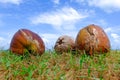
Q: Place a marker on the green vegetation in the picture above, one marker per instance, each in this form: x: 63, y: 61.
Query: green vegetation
x: 66, y: 66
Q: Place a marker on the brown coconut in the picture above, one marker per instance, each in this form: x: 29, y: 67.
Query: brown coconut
x: 25, y: 39
x: 64, y: 44
x: 92, y: 39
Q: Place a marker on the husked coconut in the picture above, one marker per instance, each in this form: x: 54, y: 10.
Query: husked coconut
x: 24, y: 40
x: 92, y: 39
x: 64, y: 44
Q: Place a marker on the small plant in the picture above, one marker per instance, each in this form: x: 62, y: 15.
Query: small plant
x: 53, y: 66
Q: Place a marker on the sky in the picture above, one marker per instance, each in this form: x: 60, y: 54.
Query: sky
x: 51, y: 19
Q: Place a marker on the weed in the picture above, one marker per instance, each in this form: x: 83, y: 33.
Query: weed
x: 53, y: 66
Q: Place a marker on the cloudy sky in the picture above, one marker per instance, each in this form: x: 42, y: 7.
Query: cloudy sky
x: 53, y: 18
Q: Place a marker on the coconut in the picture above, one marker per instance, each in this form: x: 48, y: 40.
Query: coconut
x: 92, y: 39
x: 26, y: 40
x: 64, y: 44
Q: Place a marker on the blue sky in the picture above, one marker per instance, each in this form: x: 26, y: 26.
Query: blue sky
x: 53, y: 18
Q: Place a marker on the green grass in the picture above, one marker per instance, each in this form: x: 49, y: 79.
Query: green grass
x: 66, y: 66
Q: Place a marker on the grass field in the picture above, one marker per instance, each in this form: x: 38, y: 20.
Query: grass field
x: 66, y: 66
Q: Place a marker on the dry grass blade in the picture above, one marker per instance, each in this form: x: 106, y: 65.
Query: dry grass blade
x: 66, y: 66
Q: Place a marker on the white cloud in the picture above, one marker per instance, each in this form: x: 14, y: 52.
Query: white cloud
x: 107, y: 5
x: 1, y: 39
x: 64, y: 18
x: 109, y: 29
x: 48, y: 36
x: 116, y: 37
x: 49, y: 39
x: 56, y: 1
x: 5, y: 39
x: 115, y: 40
x: 4, y: 43
x: 114, y: 29
x: 17, y: 2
